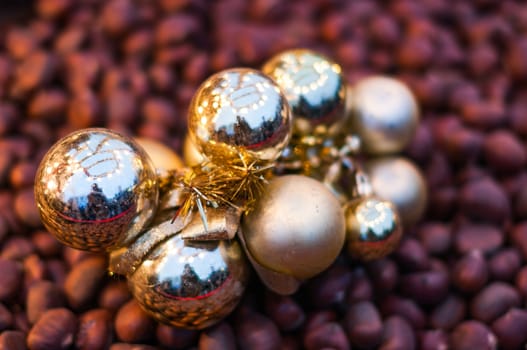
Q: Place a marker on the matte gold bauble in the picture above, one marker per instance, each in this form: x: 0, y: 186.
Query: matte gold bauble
x: 384, y: 114
x: 191, y: 154
x: 373, y: 228
x: 296, y: 227
x: 239, y: 110
x: 314, y: 87
x: 399, y: 181
x: 163, y: 158
x: 186, y: 284
x: 96, y: 190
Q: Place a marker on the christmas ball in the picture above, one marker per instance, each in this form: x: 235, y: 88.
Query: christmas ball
x: 239, y: 110
x: 191, y: 285
x: 373, y: 228
x: 384, y: 114
x: 314, y: 87
x: 296, y: 227
x: 191, y: 155
x: 399, y: 181
x: 96, y: 189
x: 163, y: 158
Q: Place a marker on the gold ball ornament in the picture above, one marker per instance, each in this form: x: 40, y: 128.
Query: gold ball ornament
x: 296, y: 227
x: 314, y: 87
x: 399, y: 181
x: 96, y: 190
x: 239, y: 110
x: 384, y: 114
x: 191, y: 285
x: 191, y: 154
x: 163, y: 157
x: 373, y: 228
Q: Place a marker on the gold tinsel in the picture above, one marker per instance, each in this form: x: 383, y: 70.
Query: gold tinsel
x: 226, y: 182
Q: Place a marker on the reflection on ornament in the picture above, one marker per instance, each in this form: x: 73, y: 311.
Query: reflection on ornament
x: 384, y: 114
x: 96, y: 190
x: 295, y: 228
x: 189, y: 284
x: 239, y: 111
x: 313, y: 86
x: 373, y: 228
x: 398, y: 180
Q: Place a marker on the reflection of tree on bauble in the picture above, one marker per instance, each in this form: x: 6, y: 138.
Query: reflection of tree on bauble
x: 190, y: 282
x: 97, y: 203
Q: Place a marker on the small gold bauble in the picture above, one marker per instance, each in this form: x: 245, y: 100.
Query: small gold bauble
x: 96, y: 190
x: 399, y: 181
x: 191, y: 155
x: 384, y: 114
x: 191, y: 285
x: 296, y: 227
x: 163, y: 158
x: 239, y: 110
x: 373, y: 228
x: 314, y: 87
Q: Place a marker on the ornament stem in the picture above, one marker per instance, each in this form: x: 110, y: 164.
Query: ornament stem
x: 362, y: 184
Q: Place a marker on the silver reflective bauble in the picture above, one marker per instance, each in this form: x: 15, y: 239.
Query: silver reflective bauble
x: 296, y: 227
x: 399, y: 181
x: 96, y: 190
x: 384, y: 114
x: 373, y: 228
x: 190, y: 284
x: 314, y: 87
x: 239, y: 110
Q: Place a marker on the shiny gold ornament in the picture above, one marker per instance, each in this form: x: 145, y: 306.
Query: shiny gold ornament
x: 398, y: 180
x: 384, y: 114
x: 191, y: 155
x: 373, y: 228
x: 163, y: 158
x: 296, y: 227
x: 96, y: 190
x: 239, y: 111
x: 189, y: 284
x: 314, y: 87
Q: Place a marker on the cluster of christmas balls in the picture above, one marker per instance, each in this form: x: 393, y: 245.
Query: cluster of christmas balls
x: 273, y: 174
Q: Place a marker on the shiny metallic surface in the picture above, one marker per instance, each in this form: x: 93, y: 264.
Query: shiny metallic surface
x: 190, y: 285
x: 373, y: 228
x: 239, y: 110
x: 314, y: 87
x: 399, y: 181
x: 96, y: 190
x: 296, y: 227
x: 191, y: 154
x: 384, y: 113
x: 163, y: 157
